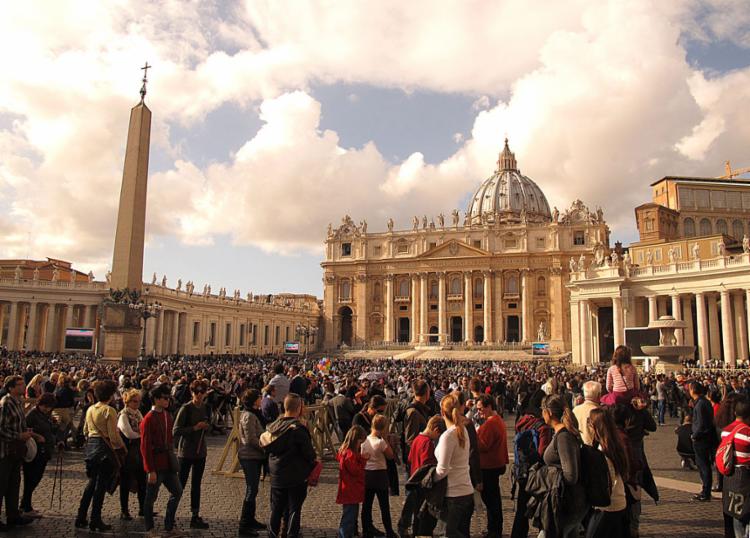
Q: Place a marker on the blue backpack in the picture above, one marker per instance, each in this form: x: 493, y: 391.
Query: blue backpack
x: 525, y: 454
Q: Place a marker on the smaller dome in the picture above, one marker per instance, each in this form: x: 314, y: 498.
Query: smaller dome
x: 508, y: 195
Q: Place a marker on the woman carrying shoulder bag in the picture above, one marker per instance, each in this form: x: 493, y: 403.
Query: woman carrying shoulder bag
x: 610, y: 521
x: 565, y: 451
x: 129, y: 425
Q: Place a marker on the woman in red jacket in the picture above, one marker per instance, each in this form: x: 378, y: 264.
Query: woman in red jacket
x: 351, y: 480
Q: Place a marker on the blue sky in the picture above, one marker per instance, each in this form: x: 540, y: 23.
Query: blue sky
x: 267, y: 127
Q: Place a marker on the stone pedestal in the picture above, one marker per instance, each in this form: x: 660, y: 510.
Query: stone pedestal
x: 122, y: 333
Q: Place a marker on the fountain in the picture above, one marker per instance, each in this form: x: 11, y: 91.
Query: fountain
x: 668, y: 352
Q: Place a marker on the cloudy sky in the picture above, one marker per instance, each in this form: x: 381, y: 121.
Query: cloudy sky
x: 274, y: 118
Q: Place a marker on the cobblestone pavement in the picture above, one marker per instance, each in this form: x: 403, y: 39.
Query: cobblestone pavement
x: 675, y: 515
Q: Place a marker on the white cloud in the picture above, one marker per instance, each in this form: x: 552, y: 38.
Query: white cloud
x: 596, y: 97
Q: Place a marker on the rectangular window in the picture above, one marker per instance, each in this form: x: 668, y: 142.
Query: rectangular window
x: 265, y: 335
x: 513, y: 305
x: 432, y: 245
x: 403, y: 248
x: 510, y: 243
x: 346, y: 249
x: 255, y: 335
x: 286, y: 333
x: 276, y: 335
x: 702, y: 198
x: 649, y: 225
x: 376, y: 250
x: 478, y: 306
x: 228, y: 335
x: 242, y: 334
x: 541, y: 242
x: 433, y: 307
x: 196, y: 333
x: 212, y: 335
x: 719, y: 199
x: 579, y: 238
x: 477, y: 243
x: 403, y: 307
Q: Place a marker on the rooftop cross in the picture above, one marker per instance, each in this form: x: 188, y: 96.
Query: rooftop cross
x: 145, y: 69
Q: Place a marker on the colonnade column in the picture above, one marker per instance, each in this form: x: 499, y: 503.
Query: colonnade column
x: 468, y: 309
x: 617, y: 320
x: 151, y: 326
x: 13, y: 327
x: 388, y: 331
x: 714, y: 339
x: 677, y: 314
x: 415, y: 306
x: 585, y: 321
x: 90, y: 321
x: 740, y: 326
x: 747, y: 310
x: 487, y: 306
x: 423, y: 282
x: 700, y: 311
x: 441, y: 308
x: 49, y: 331
x: 727, y: 329
x: 653, y: 310
x: 176, y: 330
x: 524, y: 306
x: 687, y: 317
x: 159, y: 333
x: 31, y: 333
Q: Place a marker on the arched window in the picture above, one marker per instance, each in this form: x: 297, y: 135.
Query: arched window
x: 376, y: 293
x: 705, y: 227
x: 738, y: 229
x: 346, y: 288
x: 455, y: 286
x: 688, y: 226
x: 403, y: 288
x: 512, y: 286
x: 721, y: 227
x: 541, y: 286
x: 433, y: 289
x: 478, y: 287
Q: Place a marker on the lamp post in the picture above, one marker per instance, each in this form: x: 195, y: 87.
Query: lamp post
x: 306, y: 331
x: 146, y: 311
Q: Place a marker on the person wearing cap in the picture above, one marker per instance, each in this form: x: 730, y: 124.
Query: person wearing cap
x: 41, y: 422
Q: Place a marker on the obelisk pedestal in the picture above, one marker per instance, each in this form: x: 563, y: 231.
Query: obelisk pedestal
x: 120, y: 323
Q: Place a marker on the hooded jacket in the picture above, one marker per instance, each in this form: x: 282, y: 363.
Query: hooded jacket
x: 291, y: 455
x: 546, y: 489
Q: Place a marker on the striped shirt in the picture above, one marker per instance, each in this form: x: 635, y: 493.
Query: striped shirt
x: 12, y: 422
x: 741, y: 441
x: 622, y: 382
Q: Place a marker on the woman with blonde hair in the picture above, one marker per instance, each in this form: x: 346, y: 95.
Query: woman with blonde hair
x: 34, y: 388
x: 129, y: 424
x: 452, y: 453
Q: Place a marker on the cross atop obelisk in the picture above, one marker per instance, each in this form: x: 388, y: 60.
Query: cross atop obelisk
x: 145, y: 69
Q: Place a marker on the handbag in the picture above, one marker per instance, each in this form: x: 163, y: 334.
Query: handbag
x: 736, y: 494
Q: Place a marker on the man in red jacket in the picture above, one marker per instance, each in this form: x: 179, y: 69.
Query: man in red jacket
x: 159, y: 460
x: 493, y: 458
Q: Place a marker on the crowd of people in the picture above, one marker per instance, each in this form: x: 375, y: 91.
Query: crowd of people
x: 578, y: 459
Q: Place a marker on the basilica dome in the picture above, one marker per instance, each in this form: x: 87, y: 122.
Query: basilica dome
x: 508, y: 196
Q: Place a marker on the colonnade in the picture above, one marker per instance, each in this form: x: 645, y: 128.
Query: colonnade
x: 721, y: 323
x: 40, y: 326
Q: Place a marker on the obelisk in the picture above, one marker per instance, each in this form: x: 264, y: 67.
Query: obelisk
x: 122, y: 325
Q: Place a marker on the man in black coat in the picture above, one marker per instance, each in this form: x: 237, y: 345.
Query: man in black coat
x: 704, y: 436
x: 291, y: 459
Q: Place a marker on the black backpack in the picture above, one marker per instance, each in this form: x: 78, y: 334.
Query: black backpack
x: 595, y: 476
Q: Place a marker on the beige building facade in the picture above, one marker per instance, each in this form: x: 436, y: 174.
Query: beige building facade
x: 495, y: 276
x: 36, y: 309
x: 692, y: 262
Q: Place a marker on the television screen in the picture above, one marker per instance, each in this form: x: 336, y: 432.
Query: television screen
x: 540, y: 349
x: 79, y: 339
x: 291, y: 348
x: 635, y: 337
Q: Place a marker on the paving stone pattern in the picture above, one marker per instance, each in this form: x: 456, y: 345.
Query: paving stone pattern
x: 675, y: 515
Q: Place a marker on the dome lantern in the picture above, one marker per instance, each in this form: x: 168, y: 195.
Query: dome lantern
x: 507, y: 159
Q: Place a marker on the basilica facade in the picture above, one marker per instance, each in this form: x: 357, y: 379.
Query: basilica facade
x: 495, y: 276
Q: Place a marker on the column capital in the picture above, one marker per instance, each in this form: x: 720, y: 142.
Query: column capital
x: 487, y: 273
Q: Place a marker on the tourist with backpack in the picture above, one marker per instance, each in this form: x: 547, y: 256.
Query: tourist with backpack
x: 533, y: 436
x: 565, y: 452
x: 610, y: 521
x: 733, y: 462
